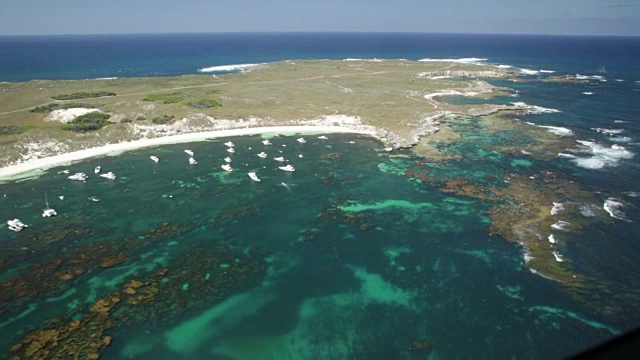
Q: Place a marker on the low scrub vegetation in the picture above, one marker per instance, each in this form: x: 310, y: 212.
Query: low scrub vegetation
x: 164, y: 119
x: 171, y: 98
x: 83, y: 95
x: 88, y: 122
x: 14, y: 129
x: 203, y: 104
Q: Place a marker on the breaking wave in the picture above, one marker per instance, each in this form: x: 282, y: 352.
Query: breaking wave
x: 614, y: 207
x: 472, y: 60
x: 601, y: 156
x: 534, y: 109
x: 227, y: 68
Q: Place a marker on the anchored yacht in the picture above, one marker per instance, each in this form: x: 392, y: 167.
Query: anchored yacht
x: 229, y: 144
x: 192, y: 161
x: 48, y: 212
x: 16, y: 225
x: 280, y: 158
x: 287, y: 168
x: 154, y: 158
x: 97, y: 169
x: 226, y: 167
x: 253, y: 176
x: 78, y: 177
x: 109, y: 175
x: 189, y: 152
x: 262, y: 155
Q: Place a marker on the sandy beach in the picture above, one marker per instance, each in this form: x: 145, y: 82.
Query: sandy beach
x: 24, y: 169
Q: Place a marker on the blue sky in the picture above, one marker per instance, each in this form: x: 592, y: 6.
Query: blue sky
x: 574, y: 17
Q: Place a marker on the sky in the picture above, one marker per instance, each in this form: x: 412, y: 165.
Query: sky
x: 558, y: 17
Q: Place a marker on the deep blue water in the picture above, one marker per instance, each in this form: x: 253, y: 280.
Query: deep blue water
x: 89, y: 56
x: 408, y: 263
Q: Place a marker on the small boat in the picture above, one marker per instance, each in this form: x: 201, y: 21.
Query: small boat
x: 300, y: 156
x: 301, y: 140
x: 322, y: 137
x: 109, y: 175
x: 65, y: 171
x: 231, y: 150
x: 229, y: 144
x: 94, y: 199
x: 266, y: 142
x: 227, y: 167
x: 280, y: 158
x: 61, y: 197
x: 48, y: 212
x: 78, y: 177
x: 253, y: 176
x: 227, y: 159
x: 192, y: 161
x: 16, y: 225
x: 189, y: 152
x: 154, y: 158
x: 287, y: 168
x: 262, y: 155
x: 97, y: 169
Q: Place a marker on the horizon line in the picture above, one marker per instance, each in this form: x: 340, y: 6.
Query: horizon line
x: 320, y: 32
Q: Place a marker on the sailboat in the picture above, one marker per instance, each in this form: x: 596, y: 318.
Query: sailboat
x: 48, y: 212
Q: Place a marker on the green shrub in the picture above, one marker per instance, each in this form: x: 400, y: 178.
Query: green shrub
x: 141, y: 118
x: 125, y: 120
x: 165, y: 98
x: 88, y: 122
x: 44, y: 108
x: 203, y: 104
x: 164, y: 119
x: 14, y: 129
x: 83, y: 95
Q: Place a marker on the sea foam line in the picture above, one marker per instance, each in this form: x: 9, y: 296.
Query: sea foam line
x: 227, y: 68
x: 472, y: 60
x: 602, y: 156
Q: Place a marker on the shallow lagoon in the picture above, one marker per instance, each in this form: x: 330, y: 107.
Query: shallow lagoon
x: 350, y: 259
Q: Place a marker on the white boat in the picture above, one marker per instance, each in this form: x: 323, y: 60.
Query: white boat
x: 109, y: 175
x: 189, y: 152
x: 231, y: 150
x: 253, y: 176
x: 192, y: 161
x: 229, y: 144
x: 78, y: 177
x: 16, y: 225
x: 65, y: 171
x: 287, y: 168
x: 301, y: 140
x: 61, y: 197
x: 322, y: 137
x: 94, y: 199
x: 48, y: 212
x: 154, y: 158
x: 227, y: 159
x: 266, y: 142
x: 262, y: 155
x: 227, y: 167
x: 280, y: 158
x: 300, y: 156
x: 97, y: 169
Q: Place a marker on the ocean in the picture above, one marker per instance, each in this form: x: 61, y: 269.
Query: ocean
x: 358, y: 253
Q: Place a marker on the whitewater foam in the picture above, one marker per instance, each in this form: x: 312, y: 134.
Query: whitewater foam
x: 602, y: 156
x: 534, y: 109
x: 557, y: 130
x: 227, y: 68
x: 608, y: 131
x: 472, y: 60
x: 614, y: 207
x: 557, y: 207
x: 558, y: 257
x: 551, y: 239
x: 560, y: 225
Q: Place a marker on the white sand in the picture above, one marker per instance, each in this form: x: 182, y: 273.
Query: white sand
x: 66, y: 115
x: 12, y: 171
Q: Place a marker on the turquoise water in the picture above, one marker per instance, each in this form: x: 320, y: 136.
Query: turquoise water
x: 349, y: 260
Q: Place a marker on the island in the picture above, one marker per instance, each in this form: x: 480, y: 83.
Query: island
x: 429, y: 114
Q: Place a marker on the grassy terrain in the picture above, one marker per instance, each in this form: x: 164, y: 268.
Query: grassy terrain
x: 388, y: 95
